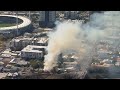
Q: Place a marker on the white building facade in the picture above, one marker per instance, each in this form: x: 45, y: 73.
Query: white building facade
x: 33, y: 52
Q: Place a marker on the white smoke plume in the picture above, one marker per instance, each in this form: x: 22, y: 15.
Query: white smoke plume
x: 69, y: 35
x: 64, y: 38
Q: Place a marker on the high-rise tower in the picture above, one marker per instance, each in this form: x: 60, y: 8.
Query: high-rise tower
x: 47, y: 18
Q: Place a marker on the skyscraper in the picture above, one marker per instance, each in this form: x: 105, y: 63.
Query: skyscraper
x: 47, y: 18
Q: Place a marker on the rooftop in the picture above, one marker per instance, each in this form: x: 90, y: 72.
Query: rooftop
x: 43, y: 40
x: 48, y: 29
x: 33, y: 48
x: 19, y: 39
x: 22, y: 62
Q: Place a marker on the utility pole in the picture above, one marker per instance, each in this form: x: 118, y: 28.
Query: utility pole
x: 29, y: 15
x: 17, y: 21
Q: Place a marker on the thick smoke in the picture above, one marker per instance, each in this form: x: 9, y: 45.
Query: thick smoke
x: 108, y: 24
x: 73, y: 35
x: 68, y: 36
x: 64, y: 38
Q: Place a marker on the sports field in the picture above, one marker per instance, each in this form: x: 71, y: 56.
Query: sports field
x: 7, y: 24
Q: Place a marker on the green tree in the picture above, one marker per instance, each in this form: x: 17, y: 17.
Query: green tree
x: 36, y: 64
x: 2, y: 38
x: 98, y: 76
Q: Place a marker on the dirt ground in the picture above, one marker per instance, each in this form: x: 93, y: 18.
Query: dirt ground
x: 2, y: 75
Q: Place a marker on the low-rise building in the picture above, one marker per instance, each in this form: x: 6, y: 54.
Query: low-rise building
x: 8, y: 53
x: 1, y: 63
x: 20, y: 43
x: 22, y: 63
x: 8, y: 66
x: 103, y: 54
x: 42, y: 42
x: 107, y: 61
x: 32, y: 51
x: 12, y: 74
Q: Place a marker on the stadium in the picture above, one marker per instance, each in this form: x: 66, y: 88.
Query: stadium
x: 11, y: 25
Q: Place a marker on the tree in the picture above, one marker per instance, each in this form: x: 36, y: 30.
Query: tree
x: 36, y: 64
x: 98, y: 76
x: 71, y: 76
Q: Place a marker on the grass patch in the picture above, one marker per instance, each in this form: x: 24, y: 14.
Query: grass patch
x: 7, y: 24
